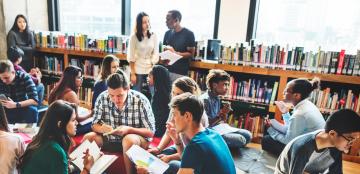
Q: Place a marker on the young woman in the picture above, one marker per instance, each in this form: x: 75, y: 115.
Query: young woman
x: 305, y: 117
x: 143, y: 51
x: 11, y: 146
x: 160, y: 79
x: 67, y: 89
x: 21, y: 36
x: 48, y: 151
x: 171, y: 155
x: 109, y: 65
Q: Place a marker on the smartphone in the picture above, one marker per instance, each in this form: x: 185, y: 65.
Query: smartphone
x: 3, y: 97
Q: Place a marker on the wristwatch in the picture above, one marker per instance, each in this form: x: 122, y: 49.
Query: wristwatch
x: 18, y: 105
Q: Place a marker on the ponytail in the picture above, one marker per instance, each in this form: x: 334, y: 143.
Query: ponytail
x: 304, y: 87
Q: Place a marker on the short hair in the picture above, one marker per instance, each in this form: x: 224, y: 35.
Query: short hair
x: 175, y: 14
x: 14, y: 53
x: 188, y: 102
x: 304, y: 87
x: 343, y: 121
x: 187, y: 84
x: 118, y: 80
x: 6, y: 66
x: 216, y: 76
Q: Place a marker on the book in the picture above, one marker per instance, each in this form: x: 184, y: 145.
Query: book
x: 224, y: 128
x: 101, y: 162
x: 143, y: 158
x: 168, y: 55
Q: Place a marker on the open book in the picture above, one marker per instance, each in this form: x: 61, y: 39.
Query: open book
x: 224, y: 128
x: 102, y: 162
x: 278, y: 126
x: 168, y: 55
x: 143, y: 158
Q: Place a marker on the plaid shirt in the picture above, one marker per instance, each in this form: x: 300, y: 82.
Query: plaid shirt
x: 22, y: 88
x: 136, y: 113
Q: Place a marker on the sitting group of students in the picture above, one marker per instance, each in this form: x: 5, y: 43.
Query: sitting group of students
x: 178, y: 113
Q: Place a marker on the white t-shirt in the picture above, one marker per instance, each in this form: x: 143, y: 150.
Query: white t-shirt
x: 11, y: 148
x: 144, y: 53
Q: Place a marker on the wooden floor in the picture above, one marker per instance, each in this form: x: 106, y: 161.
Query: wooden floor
x: 348, y: 167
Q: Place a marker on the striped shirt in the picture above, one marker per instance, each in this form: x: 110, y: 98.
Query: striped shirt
x: 136, y: 113
x: 22, y: 88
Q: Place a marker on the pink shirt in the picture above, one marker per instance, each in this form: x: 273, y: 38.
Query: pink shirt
x: 11, y: 149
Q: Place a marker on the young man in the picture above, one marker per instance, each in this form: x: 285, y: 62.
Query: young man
x: 21, y: 96
x: 207, y: 151
x: 124, y: 115
x: 181, y: 41
x: 320, y: 151
x: 217, y: 82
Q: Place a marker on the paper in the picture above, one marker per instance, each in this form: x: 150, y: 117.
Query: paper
x: 83, y: 112
x: 145, y: 159
x: 88, y: 120
x: 278, y: 126
x: 224, y: 128
x: 168, y: 55
x: 101, y: 161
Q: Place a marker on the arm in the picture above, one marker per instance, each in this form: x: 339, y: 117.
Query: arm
x: 155, y: 53
x: 30, y: 92
x: 99, y: 116
x: 190, y: 46
x: 185, y: 171
x: 11, y: 39
x: 131, y: 58
x: 296, y: 127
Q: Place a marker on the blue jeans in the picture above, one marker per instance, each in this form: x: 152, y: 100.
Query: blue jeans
x: 40, y: 90
x: 22, y: 115
x: 140, y: 79
x: 174, y: 165
x: 237, y: 139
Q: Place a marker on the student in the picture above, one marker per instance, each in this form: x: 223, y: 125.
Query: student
x: 17, y: 86
x: 15, y: 55
x: 170, y: 154
x: 12, y: 146
x: 109, y: 65
x: 217, y: 82
x: 181, y: 41
x: 321, y: 151
x: 207, y: 151
x: 305, y: 118
x: 21, y: 36
x: 48, y: 151
x: 143, y: 51
x: 125, y: 115
x: 159, y: 78
x: 67, y: 89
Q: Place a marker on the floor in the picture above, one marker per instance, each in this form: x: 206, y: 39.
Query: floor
x: 252, y: 160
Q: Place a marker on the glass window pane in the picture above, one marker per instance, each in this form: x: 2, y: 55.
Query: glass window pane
x: 331, y: 24
x: 99, y: 18
x: 198, y: 16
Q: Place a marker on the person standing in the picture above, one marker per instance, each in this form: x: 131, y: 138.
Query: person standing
x: 143, y: 51
x: 181, y: 41
x: 21, y: 36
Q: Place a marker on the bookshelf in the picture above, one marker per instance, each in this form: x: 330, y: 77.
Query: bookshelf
x: 284, y: 76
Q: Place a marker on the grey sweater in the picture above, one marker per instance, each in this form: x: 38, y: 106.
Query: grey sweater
x: 24, y: 40
x: 301, y: 154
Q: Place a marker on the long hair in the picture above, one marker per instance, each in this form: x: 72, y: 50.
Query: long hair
x: 106, y: 66
x: 15, y: 26
x: 52, y: 128
x: 67, y: 80
x: 139, y: 29
x: 187, y: 84
x: 3, y: 120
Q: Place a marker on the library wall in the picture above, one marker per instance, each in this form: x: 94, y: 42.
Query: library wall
x: 2, y: 31
x: 233, y: 21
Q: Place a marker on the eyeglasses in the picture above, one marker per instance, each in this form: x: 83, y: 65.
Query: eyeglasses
x: 80, y: 78
x: 349, y: 140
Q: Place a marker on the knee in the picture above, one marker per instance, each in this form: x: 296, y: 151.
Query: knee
x: 92, y: 136
x: 129, y: 140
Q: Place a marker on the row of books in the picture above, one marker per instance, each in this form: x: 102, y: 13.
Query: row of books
x: 329, y: 101
x: 250, y: 90
x: 90, y: 68
x: 287, y: 58
x: 253, y: 123
x: 51, y: 65
x: 81, y: 42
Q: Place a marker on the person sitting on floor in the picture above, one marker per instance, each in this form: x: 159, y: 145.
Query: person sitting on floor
x: 207, y: 151
x: 12, y: 146
x: 217, y: 82
x: 321, y: 151
x: 305, y: 118
x: 22, y: 98
x: 15, y: 55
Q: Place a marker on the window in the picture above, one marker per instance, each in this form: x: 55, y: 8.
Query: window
x: 198, y: 16
x: 98, y: 18
x: 331, y: 24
